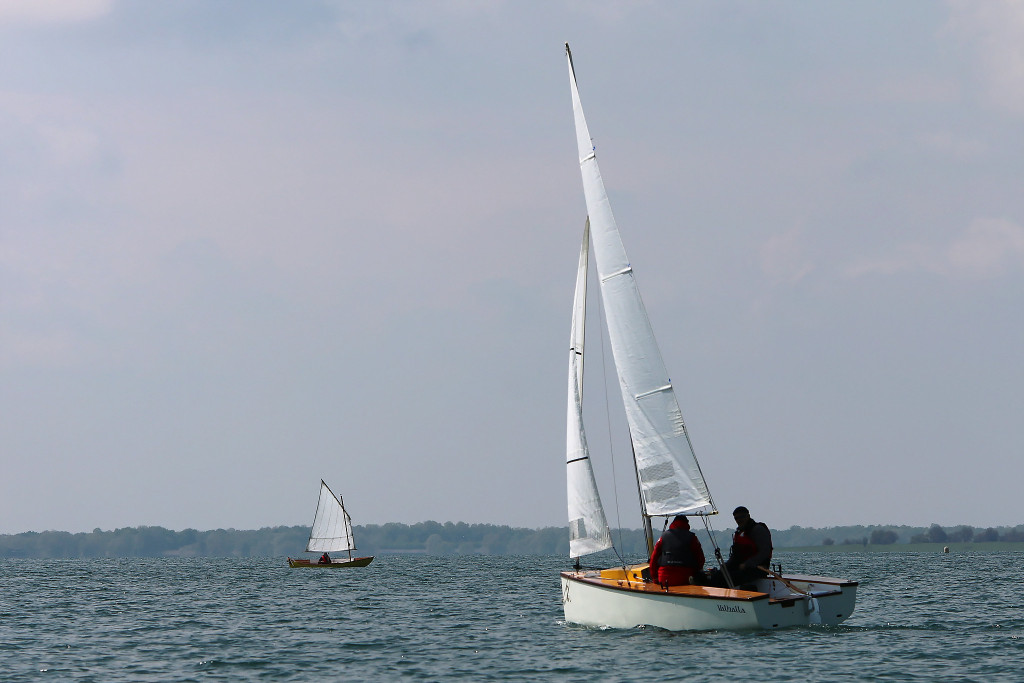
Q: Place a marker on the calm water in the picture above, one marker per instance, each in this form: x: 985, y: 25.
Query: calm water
x: 918, y: 617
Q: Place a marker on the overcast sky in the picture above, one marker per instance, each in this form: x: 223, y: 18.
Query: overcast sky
x: 247, y: 245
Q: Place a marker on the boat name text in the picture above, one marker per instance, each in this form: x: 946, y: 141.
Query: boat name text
x: 731, y: 608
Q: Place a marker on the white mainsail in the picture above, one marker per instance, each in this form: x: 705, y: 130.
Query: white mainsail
x: 332, y: 527
x: 588, y: 528
x: 669, y: 477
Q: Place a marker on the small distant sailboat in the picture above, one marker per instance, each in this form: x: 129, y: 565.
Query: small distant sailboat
x: 668, y: 476
x: 331, y: 533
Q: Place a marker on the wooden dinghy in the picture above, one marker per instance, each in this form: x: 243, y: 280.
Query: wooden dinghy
x: 331, y: 532
x: 333, y: 564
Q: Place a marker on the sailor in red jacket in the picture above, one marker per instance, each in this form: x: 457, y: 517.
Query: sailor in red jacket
x: 677, y: 555
x: 751, y: 549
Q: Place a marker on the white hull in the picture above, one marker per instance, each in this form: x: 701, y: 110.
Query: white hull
x: 609, y: 599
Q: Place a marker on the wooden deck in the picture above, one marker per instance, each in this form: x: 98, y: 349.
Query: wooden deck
x: 620, y: 582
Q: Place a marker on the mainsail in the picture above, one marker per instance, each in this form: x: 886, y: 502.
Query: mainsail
x: 669, y: 477
x: 332, y: 527
x: 588, y: 528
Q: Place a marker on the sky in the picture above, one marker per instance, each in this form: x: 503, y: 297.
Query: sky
x: 246, y: 245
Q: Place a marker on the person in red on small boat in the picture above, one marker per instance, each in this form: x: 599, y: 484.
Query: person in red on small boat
x: 325, y: 559
x: 677, y: 556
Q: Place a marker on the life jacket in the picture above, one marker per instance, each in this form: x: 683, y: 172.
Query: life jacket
x: 743, y: 546
x: 675, y: 548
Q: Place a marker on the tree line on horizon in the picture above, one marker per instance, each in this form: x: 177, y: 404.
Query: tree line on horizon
x: 937, y: 534
x: 435, y: 538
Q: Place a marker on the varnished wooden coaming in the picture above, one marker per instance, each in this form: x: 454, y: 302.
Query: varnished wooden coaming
x: 704, y: 592
x: 630, y: 581
x: 826, y: 580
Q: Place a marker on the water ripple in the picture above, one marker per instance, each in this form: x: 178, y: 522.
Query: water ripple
x: 919, y: 617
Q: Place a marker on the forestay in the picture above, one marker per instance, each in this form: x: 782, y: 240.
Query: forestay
x: 669, y: 476
x: 332, y: 527
x: 588, y: 528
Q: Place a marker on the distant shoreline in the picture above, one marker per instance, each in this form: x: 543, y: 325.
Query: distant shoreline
x: 988, y: 546
x: 434, y: 538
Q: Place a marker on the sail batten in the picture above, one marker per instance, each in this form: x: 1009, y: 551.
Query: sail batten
x: 332, y: 526
x: 667, y: 470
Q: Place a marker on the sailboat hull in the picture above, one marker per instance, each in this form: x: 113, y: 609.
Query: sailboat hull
x: 334, y: 564
x: 617, y: 599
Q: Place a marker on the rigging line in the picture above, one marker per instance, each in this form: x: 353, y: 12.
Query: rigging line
x: 608, y: 415
x: 607, y: 410
x: 718, y: 551
x: 622, y: 561
x: 711, y: 501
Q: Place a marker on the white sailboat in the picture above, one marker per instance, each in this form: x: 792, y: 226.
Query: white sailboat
x: 331, y: 533
x: 668, y: 476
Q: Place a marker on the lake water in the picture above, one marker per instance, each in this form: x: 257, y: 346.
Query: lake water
x: 919, y: 617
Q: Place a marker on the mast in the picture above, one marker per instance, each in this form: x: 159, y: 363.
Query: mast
x: 348, y: 527
x: 648, y: 531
